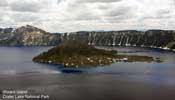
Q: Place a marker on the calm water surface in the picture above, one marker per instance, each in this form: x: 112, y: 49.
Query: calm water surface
x: 119, y: 81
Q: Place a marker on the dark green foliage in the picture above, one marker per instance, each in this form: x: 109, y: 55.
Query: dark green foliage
x: 74, y: 53
x: 74, y: 47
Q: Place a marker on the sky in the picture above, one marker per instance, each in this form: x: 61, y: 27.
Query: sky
x: 88, y: 15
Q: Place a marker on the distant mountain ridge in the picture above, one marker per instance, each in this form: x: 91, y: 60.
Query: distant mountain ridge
x: 27, y: 36
x: 32, y: 36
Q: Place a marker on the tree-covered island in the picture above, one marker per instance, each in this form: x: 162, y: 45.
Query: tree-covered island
x: 79, y: 54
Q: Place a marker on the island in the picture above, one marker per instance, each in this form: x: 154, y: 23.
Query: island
x: 77, y: 54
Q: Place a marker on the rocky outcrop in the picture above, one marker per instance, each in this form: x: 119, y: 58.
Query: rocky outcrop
x: 28, y: 36
x: 32, y: 36
x: 6, y: 33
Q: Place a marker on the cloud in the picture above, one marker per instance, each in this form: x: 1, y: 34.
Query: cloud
x: 90, y: 1
x: 3, y: 3
x: 26, y: 5
x: 118, y: 11
x: 99, y: 1
x: 59, y: 1
x: 24, y: 17
x: 77, y: 15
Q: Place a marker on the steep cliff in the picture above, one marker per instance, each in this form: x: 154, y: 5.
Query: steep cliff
x: 32, y: 36
x: 151, y: 38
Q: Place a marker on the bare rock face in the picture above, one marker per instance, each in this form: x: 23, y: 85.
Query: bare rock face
x: 164, y: 39
x: 32, y: 36
x: 29, y: 36
x: 5, y: 33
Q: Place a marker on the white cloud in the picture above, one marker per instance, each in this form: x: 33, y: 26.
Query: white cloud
x: 77, y: 15
x: 27, y: 5
x: 99, y: 1
x: 4, y: 3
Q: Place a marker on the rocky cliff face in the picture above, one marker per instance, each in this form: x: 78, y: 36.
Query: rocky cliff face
x: 151, y: 38
x: 5, y: 33
x: 28, y: 36
x: 32, y: 36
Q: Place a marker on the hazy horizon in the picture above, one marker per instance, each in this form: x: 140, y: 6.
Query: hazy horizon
x: 143, y: 30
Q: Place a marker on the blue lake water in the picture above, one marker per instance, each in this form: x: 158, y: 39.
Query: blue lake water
x: 18, y: 61
x: 16, y: 67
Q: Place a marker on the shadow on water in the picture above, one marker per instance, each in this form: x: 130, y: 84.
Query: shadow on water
x: 65, y: 70
x: 71, y: 71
